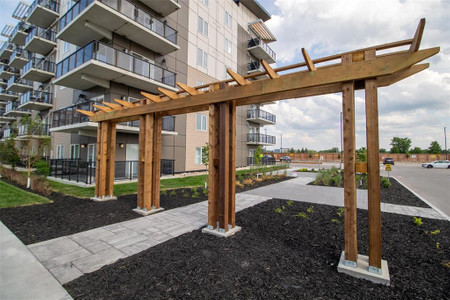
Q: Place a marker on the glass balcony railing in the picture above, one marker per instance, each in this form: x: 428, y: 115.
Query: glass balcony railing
x: 42, y: 129
x: 42, y: 33
x: 50, y: 4
x: 127, y: 9
x: 41, y: 64
x: 36, y: 96
x: 13, y: 106
x: 261, y: 114
x: 70, y: 115
x: 6, y: 46
x: 7, y: 133
x: 261, y: 138
x: 21, y: 26
x: 3, y: 91
x: 106, y: 54
x: 254, y: 66
x: 259, y: 42
x: 20, y: 52
x: 18, y: 80
x: 6, y: 68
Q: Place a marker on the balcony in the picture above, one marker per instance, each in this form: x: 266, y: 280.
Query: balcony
x: 40, y: 70
x: 6, y: 72
x: 260, y: 116
x: 254, y: 66
x: 89, y: 20
x: 40, y: 41
x: 3, y: 83
x: 43, y: 13
x: 19, y: 58
x: 8, y: 96
x: 164, y: 7
x: 16, y: 84
x: 12, y: 110
x: 97, y: 64
x: 36, y: 100
x: 6, y: 50
x: 40, y: 131
x: 70, y: 120
x: 261, y: 50
x: 19, y: 34
x: 4, y: 119
x: 260, y: 139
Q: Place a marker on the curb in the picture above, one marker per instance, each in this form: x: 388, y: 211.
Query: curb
x: 424, y: 200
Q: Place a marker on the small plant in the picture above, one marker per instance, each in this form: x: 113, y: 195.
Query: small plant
x: 195, y: 193
x: 248, y: 182
x: 289, y: 202
x: 335, y: 221
x: 310, y: 209
x: 418, y: 221
x: 301, y: 215
x: 437, y: 231
x: 42, y: 167
x: 279, y: 210
x: 173, y: 193
x: 446, y: 264
x: 239, y: 184
x: 185, y: 195
x: 303, y: 170
x: 164, y: 193
x: 385, y: 183
x: 205, y: 192
x: 340, y: 211
x: 258, y: 179
x: 438, y: 245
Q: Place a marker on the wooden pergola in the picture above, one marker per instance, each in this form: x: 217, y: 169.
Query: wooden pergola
x: 346, y: 72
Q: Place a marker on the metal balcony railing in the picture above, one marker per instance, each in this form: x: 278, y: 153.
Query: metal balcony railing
x: 261, y: 138
x: 50, y: 4
x: 127, y: 9
x: 259, y: 42
x: 6, y: 45
x: 3, y: 91
x: 106, y: 54
x: 13, y: 106
x: 254, y: 66
x: 257, y: 113
x: 42, y: 33
x: 36, y: 96
x: 42, y: 129
x: 6, y: 68
x: 20, y: 52
x: 70, y: 115
x: 18, y: 80
x: 41, y: 64
x: 21, y: 26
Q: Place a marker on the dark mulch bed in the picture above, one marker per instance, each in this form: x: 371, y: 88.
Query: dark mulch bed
x: 68, y: 215
x: 398, y: 194
x: 278, y: 256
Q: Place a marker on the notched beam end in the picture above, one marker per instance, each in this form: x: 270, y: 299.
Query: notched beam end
x: 308, y: 61
x: 238, y: 78
x: 102, y: 108
x: 125, y: 103
x: 271, y: 72
x: 151, y: 97
x: 170, y: 94
x: 86, y: 112
x: 190, y: 90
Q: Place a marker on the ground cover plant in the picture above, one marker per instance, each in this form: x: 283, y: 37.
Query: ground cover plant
x: 285, y: 250
x: 14, y: 196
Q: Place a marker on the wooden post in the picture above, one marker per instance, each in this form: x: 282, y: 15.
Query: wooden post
x: 156, y: 169
x: 97, y: 158
x: 373, y: 168
x: 232, y: 165
x: 224, y: 166
x: 141, y: 163
x: 348, y: 112
x: 213, y: 185
x: 111, y: 158
x: 148, y: 161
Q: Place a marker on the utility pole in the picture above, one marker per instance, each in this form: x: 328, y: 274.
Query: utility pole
x: 445, y: 143
x: 340, y: 125
x: 281, y: 147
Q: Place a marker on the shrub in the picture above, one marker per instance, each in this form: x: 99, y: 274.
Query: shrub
x: 257, y: 179
x: 301, y: 215
x: 173, y: 193
x: 164, y: 193
x: 42, y: 168
x: 195, y: 193
x: 385, y: 183
x: 303, y: 170
x: 239, y: 184
x: 205, y: 192
x: 418, y: 221
x: 40, y: 184
x: 248, y: 182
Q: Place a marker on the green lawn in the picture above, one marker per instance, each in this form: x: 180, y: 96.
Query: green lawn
x: 11, y: 196
x: 131, y: 188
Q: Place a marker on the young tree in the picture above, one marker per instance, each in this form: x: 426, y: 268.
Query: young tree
x: 400, y: 145
x: 205, y: 160
x: 34, y: 143
x: 382, y: 150
x: 8, y: 152
x: 258, y: 155
x: 361, y: 154
x: 434, y: 148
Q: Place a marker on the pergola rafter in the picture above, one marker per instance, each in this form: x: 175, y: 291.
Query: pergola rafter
x: 341, y: 73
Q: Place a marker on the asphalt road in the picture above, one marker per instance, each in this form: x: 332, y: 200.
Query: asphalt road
x: 431, y: 184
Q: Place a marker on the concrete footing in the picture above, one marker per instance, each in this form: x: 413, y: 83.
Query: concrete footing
x: 104, y: 198
x: 220, y: 232
x: 145, y: 212
x: 363, y: 271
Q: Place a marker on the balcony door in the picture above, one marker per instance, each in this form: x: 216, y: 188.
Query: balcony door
x: 132, y: 156
x: 92, y: 153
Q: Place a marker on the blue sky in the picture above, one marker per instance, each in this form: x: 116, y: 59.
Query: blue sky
x: 418, y: 107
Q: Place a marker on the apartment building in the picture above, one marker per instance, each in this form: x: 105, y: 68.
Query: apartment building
x: 68, y: 55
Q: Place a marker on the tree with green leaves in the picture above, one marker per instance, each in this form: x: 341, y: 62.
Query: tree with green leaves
x: 416, y: 150
x: 8, y: 151
x: 205, y: 155
x: 434, y: 148
x: 361, y: 154
x: 400, y: 145
x: 258, y: 155
x: 382, y: 150
x: 34, y: 142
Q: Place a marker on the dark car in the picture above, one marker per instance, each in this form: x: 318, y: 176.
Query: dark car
x: 388, y: 160
x: 285, y: 159
x: 268, y: 160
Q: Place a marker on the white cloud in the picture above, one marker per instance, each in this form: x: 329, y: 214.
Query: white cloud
x: 417, y: 107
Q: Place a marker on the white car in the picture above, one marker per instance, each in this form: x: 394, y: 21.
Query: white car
x: 444, y: 164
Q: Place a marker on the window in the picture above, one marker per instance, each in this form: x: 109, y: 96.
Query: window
x: 74, y: 151
x: 202, y: 58
x: 228, y: 46
x: 198, y: 155
x: 199, y: 83
x: 59, y: 151
x: 66, y: 47
x: 206, y: 2
x: 202, y: 26
x: 228, y: 19
x: 226, y: 75
x: 92, y: 152
x: 200, y: 122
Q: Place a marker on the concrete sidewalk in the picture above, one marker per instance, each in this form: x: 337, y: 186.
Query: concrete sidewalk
x: 22, y: 276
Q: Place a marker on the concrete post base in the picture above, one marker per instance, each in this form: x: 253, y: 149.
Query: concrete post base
x: 145, y: 212
x: 362, y: 270
x: 104, y: 198
x: 220, y: 232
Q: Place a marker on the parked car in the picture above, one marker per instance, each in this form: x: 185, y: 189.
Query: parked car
x: 286, y: 159
x: 267, y: 160
x: 445, y: 164
x: 388, y: 160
